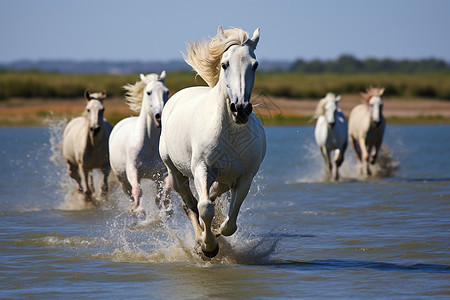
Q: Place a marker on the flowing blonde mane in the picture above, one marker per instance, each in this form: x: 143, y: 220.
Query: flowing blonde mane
x: 204, y: 57
x: 372, y: 92
x: 135, y: 91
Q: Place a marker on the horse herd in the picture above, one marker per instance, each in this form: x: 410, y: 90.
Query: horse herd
x: 209, y: 135
x: 365, y: 130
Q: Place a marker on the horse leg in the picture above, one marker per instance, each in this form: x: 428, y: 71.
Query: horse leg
x: 326, y: 157
x: 339, y: 159
x: 357, y: 150
x: 238, y: 194
x: 203, y: 181
x: 126, y: 186
x: 132, y: 177
x: 374, y: 154
x: 163, y: 186
x: 189, y: 203
x: 365, y: 154
x: 84, y: 174
x: 91, y: 181
x: 74, y: 173
x: 105, y: 170
x: 216, y: 190
x: 357, y: 154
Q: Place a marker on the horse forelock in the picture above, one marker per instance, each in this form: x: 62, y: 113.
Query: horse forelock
x: 372, y: 92
x: 204, y: 57
x: 134, y: 92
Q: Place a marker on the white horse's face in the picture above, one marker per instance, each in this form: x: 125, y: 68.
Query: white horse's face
x: 155, y: 97
x: 238, y: 66
x: 95, y: 110
x: 330, y: 111
x: 376, y: 108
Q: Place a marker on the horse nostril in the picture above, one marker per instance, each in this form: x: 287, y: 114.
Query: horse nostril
x: 95, y: 130
x: 158, y: 116
x: 233, y: 107
x: 248, y: 108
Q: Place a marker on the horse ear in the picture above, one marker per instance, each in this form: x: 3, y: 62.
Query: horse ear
x: 103, y: 96
x: 338, y: 98
x: 381, y: 91
x: 255, y: 39
x: 162, y: 77
x: 87, y: 95
x: 142, y: 76
x: 220, y: 34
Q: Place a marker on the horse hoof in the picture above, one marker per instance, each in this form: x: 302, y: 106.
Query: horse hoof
x: 137, y: 211
x: 211, y: 254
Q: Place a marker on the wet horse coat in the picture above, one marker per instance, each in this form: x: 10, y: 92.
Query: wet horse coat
x: 134, y: 141
x: 85, y: 145
x: 331, y: 132
x: 366, y: 128
x: 211, y: 135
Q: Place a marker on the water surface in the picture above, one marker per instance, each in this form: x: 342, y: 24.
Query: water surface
x: 299, y: 235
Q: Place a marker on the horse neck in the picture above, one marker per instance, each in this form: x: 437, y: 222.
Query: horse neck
x: 145, y: 124
x: 220, y: 100
x: 93, y: 140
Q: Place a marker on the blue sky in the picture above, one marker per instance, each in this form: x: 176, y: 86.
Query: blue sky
x: 159, y: 30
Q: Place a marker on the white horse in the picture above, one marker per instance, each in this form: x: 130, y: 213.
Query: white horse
x: 85, y: 145
x: 366, y: 127
x: 331, y: 132
x: 134, y: 141
x: 211, y: 135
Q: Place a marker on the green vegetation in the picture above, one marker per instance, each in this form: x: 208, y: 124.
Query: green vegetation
x: 295, y: 85
x: 347, y: 64
x: 36, y: 84
x: 31, y: 84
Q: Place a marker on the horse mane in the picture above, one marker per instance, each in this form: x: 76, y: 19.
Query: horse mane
x: 134, y: 92
x: 320, y: 109
x: 372, y: 92
x: 205, y: 56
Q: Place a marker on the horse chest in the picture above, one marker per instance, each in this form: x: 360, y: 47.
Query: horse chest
x: 232, y: 155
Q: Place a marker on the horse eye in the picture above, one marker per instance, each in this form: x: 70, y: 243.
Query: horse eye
x: 225, y: 65
x: 255, y: 66
x: 149, y: 93
x: 88, y: 110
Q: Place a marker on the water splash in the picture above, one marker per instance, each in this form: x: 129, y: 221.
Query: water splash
x: 314, y: 170
x: 157, y: 236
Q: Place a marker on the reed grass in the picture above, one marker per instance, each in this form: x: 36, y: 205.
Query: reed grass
x: 33, y: 84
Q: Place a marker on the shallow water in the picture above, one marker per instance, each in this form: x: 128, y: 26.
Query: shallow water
x: 299, y: 235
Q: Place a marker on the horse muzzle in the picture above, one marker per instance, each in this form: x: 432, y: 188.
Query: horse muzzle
x: 241, y: 112
x: 158, y: 120
x: 95, y: 130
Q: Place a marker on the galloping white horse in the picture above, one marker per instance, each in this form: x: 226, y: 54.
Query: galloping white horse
x: 211, y: 135
x: 366, y: 127
x: 331, y: 132
x: 134, y: 141
x: 85, y: 145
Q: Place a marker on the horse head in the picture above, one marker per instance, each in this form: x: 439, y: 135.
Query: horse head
x: 155, y: 97
x: 238, y: 68
x: 375, y: 102
x: 95, y: 110
x: 331, y: 108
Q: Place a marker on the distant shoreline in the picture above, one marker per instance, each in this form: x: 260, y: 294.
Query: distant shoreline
x: 272, y: 111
